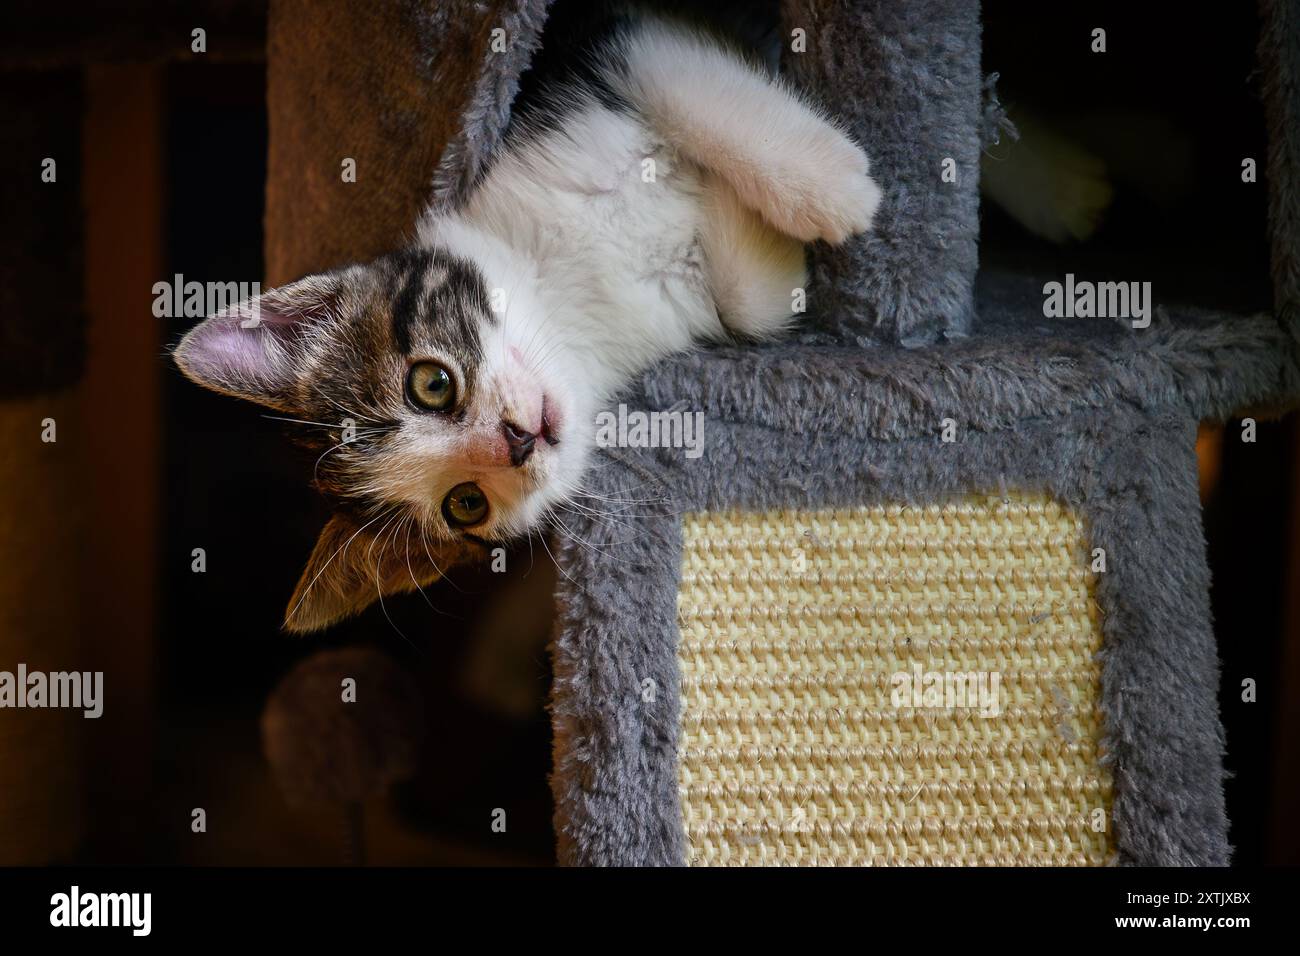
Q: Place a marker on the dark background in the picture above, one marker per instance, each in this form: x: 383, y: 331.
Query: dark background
x: 230, y: 476
x: 1176, y: 93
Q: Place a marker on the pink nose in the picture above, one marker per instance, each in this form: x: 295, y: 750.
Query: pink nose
x: 521, y: 442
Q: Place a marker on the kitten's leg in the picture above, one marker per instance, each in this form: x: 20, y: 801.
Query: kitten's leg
x: 784, y: 159
x: 754, y: 271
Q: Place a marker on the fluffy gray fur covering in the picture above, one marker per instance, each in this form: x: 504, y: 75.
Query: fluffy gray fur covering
x: 1016, y: 366
x: 905, y: 79
x: 1279, y: 57
x: 1101, y: 417
x: 466, y: 155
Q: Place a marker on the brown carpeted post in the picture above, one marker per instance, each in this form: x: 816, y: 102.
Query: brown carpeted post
x: 362, y: 99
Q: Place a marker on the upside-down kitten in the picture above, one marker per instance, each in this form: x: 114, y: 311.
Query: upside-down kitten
x: 656, y: 198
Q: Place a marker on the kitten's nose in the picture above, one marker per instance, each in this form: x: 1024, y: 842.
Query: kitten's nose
x: 521, y: 442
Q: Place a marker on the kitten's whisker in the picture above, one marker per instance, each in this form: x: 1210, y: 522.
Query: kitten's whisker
x: 570, y: 503
x: 370, y: 551
x: 316, y: 577
x: 554, y: 344
x: 618, y: 515
x: 379, y: 589
x: 578, y: 541
x: 410, y: 522
x: 530, y: 556
x: 537, y: 330
x: 300, y: 421
x: 348, y: 413
x: 550, y: 347
x: 411, y: 571
x: 573, y: 490
x: 315, y: 471
x: 442, y: 575
x: 558, y: 566
x: 384, y: 607
x: 576, y: 494
x: 592, y: 546
x: 641, y: 533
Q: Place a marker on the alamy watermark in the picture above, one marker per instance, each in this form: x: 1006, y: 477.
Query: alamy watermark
x: 1084, y: 299
x: 76, y: 690
x: 195, y: 300
x: 130, y: 910
x: 673, y: 428
x: 949, y: 690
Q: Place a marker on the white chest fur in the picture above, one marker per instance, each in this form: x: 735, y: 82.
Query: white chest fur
x: 611, y: 220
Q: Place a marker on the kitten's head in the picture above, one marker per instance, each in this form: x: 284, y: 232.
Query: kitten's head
x: 442, y: 412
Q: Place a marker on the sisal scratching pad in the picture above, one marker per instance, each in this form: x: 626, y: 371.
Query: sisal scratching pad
x: 795, y: 746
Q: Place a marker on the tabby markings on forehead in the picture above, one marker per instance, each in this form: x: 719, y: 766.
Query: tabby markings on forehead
x: 432, y: 285
x: 408, y: 279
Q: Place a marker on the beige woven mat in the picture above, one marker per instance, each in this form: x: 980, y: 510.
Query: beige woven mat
x: 801, y: 743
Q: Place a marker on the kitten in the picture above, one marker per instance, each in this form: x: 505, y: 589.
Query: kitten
x: 656, y: 198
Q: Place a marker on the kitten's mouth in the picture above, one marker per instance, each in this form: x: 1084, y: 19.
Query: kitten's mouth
x: 550, y: 422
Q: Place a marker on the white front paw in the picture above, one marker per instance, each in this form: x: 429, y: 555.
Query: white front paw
x: 837, y: 198
x: 852, y: 208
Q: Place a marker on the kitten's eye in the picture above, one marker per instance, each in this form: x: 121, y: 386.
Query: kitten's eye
x: 465, y: 505
x: 430, y: 386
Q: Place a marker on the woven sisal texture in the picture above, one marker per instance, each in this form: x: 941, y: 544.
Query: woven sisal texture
x: 800, y: 744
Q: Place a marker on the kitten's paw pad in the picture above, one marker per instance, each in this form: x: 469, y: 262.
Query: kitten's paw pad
x: 838, y: 199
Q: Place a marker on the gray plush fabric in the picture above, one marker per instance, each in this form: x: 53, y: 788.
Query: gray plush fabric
x: 615, y: 771
x: 1133, y: 476
x: 484, y: 121
x: 1279, y: 57
x: 905, y: 79
x: 1104, y: 419
x: 1018, y: 365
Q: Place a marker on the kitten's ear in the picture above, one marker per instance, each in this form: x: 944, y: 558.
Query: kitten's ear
x: 353, y: 564
x: 252, y: 350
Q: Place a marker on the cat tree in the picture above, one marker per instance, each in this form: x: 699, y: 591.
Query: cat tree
x: 933, y: 480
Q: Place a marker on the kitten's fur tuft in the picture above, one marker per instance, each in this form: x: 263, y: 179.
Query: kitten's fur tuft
x: 656, y: 198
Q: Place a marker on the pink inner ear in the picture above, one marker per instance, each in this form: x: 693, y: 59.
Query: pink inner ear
x: 224, y: 343
x: 221, y: 352
x: 243, y: 349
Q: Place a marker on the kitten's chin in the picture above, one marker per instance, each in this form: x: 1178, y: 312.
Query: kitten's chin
x: 557, y: 484
x: 522, y: 498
